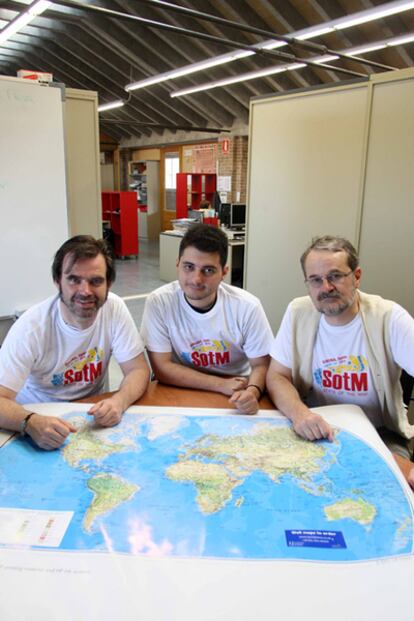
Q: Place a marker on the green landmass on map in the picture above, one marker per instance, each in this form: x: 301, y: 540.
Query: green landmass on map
x: 273, y: 451
x: 109, y: 492
x: 359, y: 510
x: 85, y: 445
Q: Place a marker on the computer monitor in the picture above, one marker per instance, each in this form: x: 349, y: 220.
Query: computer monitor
x: 224, y: 214
x: 237, y: 216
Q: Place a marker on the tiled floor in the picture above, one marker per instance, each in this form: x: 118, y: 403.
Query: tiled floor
x: 139, y: 276
x: 135, y: 279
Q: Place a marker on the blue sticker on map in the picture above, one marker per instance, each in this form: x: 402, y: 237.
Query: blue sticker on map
x: 315, y: 539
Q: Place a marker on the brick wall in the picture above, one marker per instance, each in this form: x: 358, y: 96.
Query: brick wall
x: 232, y: 162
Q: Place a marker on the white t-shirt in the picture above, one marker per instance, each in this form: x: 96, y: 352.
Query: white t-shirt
x: 44, y: 359
x: 340, y: 367
x: 219, y: 341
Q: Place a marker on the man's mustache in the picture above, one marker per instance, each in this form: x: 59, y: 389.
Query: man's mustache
x: 327, y: 296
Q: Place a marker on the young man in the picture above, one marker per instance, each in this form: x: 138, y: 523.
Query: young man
x: 339, y: 345
x: 59, y: 350
x: 202, y: 333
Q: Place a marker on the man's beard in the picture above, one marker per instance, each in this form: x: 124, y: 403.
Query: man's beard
x: 84, y: 313
x: 341, y: 306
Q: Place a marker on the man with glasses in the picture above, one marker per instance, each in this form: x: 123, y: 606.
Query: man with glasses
x: 339, y: 345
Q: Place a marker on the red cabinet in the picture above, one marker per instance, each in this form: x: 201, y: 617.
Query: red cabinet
x: 192, y: 188
x: 120, y: 210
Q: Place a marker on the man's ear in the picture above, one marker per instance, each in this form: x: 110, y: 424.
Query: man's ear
x: 177, y: 263
x: 357, y: 276
x: 225, y: 270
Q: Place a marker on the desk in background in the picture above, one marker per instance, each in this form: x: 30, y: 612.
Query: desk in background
x: 169, y: 245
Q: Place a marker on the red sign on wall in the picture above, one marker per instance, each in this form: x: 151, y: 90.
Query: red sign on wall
x: 225, y: 145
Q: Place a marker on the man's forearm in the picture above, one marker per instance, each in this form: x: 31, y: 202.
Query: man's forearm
x: 132, y: 387
x: 179, y: 375
x: 285, y: 397
x: 407, y: 468
x: 12, y: 414
x: 257, y: 376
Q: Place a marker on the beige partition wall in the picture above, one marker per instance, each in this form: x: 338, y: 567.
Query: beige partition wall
x: 337, y: 160
x: 306, y: 154
x: 387, y: 243
x: 82, y: 162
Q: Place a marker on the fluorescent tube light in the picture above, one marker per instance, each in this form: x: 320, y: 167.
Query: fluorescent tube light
x: 364, y: 49
x: 110, y: 106
x: 383, y: 10
x: 261, y: 73
x: 315, y: 32
x: 326, y: 58
x: 23, y: 19
x: 188, y: 69
x: 408, y: 38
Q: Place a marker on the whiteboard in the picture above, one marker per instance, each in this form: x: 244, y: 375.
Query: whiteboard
x: 33, y: 202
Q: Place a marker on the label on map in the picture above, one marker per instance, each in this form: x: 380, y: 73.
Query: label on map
x: 30, y: 527
x: 315, y: 539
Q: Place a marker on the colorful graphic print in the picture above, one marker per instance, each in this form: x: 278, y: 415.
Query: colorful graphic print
x: 208, y: 353
x: 343, y: 374
x: 84, y: 368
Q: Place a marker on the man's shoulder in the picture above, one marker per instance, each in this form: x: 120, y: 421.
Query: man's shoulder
x: 302, y: 304
x: 374, y: 304
x: 114, y: 300
x: 237, y: 295
x: 41, y: 311
x: 165, y: 293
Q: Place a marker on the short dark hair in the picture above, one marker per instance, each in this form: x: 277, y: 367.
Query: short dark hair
x: 332, y: 243
x: 206, y: 238
x: 84, y: 247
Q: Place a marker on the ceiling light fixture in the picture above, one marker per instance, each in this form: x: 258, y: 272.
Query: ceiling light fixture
x: 408, y: 38
x: 368, y: 15
x: 178, y: 73
x: 111, y: 106
x: 292, y: 66
x: 384, y: 10
x: 35, y: 9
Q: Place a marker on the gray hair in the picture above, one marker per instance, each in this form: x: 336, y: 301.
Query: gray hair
x: 331, y: 243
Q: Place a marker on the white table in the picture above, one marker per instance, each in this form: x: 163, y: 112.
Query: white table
x: 45, y: 585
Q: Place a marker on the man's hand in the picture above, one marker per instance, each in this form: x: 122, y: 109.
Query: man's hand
x: 48, y: 432
x: 312, y: 427
x: 407, y: 468
x: 107, y: 412
x: 246, y: 400
x: 410, y: 478
x: 229, y: 385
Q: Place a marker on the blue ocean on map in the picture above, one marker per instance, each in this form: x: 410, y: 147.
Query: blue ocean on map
x: 212, y: 486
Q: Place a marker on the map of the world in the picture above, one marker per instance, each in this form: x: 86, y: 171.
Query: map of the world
x: 207, y: 486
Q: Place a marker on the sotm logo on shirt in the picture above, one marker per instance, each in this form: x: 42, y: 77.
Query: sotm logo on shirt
x: 208, y: 353
x: 345, y: 373
x: 85, y: 367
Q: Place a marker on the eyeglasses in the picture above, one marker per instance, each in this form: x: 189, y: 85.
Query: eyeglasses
x: 334, y: 278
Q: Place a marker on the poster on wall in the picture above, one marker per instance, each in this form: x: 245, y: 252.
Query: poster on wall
x: 224, y: 183
x: 204, y: 158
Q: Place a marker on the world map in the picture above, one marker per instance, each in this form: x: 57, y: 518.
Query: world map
x: 211, y: 486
